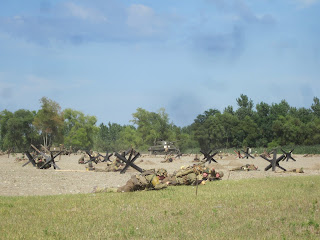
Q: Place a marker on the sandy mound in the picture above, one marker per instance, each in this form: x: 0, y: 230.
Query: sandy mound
x: 16, y: 180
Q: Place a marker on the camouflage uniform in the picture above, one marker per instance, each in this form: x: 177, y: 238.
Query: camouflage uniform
x: 168, y: 159
x: 147, y: 180
x: 90, y: 167
x: 266, y: 155
x: 193, y: 175
x: 296, y: 170
x: 247, y: 167
x: 212, y: 174
x: 186, y: 176
x: 22, y: 158
x: 114, y: 166
x: 40, y: 162
x: 81, y: 159
x: 96, y: 156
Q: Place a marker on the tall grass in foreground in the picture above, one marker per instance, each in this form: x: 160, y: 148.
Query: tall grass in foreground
x: 270, y: 208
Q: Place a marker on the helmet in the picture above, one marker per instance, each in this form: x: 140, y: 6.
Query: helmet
x: 155, y: 181
x: 162, y: 172
x: 221, y: 174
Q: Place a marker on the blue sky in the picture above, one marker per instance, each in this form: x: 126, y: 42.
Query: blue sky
x: 109, y: 57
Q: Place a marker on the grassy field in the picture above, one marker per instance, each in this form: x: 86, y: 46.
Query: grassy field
x: 270, y: 208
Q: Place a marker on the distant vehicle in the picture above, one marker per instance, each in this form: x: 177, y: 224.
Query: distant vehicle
x: 61, y: 148
x: 163, y: 147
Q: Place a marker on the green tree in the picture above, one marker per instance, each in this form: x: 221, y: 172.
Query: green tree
x: 49, y: 121
x: 245, y: 107
x: 5, y: 115
x: 229, y: 110
x: 316, y: 107
x: 247, y: 133
x: 281, y: 109
x: 230, y: 124
x: 288, y: 131
x: 152, y: 126
x: 264, y: 121
x: 79, y: 129
x: 312, y: 132
x: 17, y: 130
x: 129, y: 138
x: 303, y: 114
x: 108, y: 137
x: 208, y: 130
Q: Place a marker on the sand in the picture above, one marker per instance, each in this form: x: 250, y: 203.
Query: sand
x: 73, y: 178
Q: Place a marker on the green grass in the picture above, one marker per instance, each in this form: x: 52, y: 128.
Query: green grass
x: 270, y: 208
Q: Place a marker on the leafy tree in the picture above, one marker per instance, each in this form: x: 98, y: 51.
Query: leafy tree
x: 151, y: 125
x: 201, y: 118
x: 108, y: 137
x: 79, y: 129
x: 186, y: 142
x: 264, y: 121
x: 5, y: 115
x: 288, y: 130
x: 281, y: 109
x: 245, y: 107
x: 273, y: 125
x: 247, y: 133
x: 316, y: 107
x: 49, y: 121
x: 230, y: 124
x: 229, y: 110
x: 17, y: 130
x: 303, y: 114
x: 129, y: 138
x: 312, y: 131
x: 208, y: 130
x: 293, y: 131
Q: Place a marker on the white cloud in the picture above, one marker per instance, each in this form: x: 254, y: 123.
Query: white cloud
x: 18, y: 19
x: 307, y: 3
x: 143, y: 19
x: 85, y: 13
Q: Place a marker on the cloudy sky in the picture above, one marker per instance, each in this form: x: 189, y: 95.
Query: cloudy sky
x: 109, y: 57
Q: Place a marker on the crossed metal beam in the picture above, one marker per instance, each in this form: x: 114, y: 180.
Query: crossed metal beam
x: 247, y: 154
x: 238, y: 154
x: 107, y: 157
x: 288, y: 155
x: 208, y: 157
x: 91, y: 159
x: 50, y: 159
x: 31, y: 160
x: 274, y: 162
x: 129, y: 161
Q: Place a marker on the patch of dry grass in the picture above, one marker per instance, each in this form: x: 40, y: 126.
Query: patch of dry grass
x: 270, y: 208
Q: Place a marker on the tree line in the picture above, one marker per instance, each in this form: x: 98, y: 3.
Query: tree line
x: 262, y: 125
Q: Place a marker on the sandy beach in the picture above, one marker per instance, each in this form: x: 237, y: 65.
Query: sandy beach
x: 72, y: 178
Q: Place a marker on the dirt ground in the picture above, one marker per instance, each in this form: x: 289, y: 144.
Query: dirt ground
x: 73, y: 178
